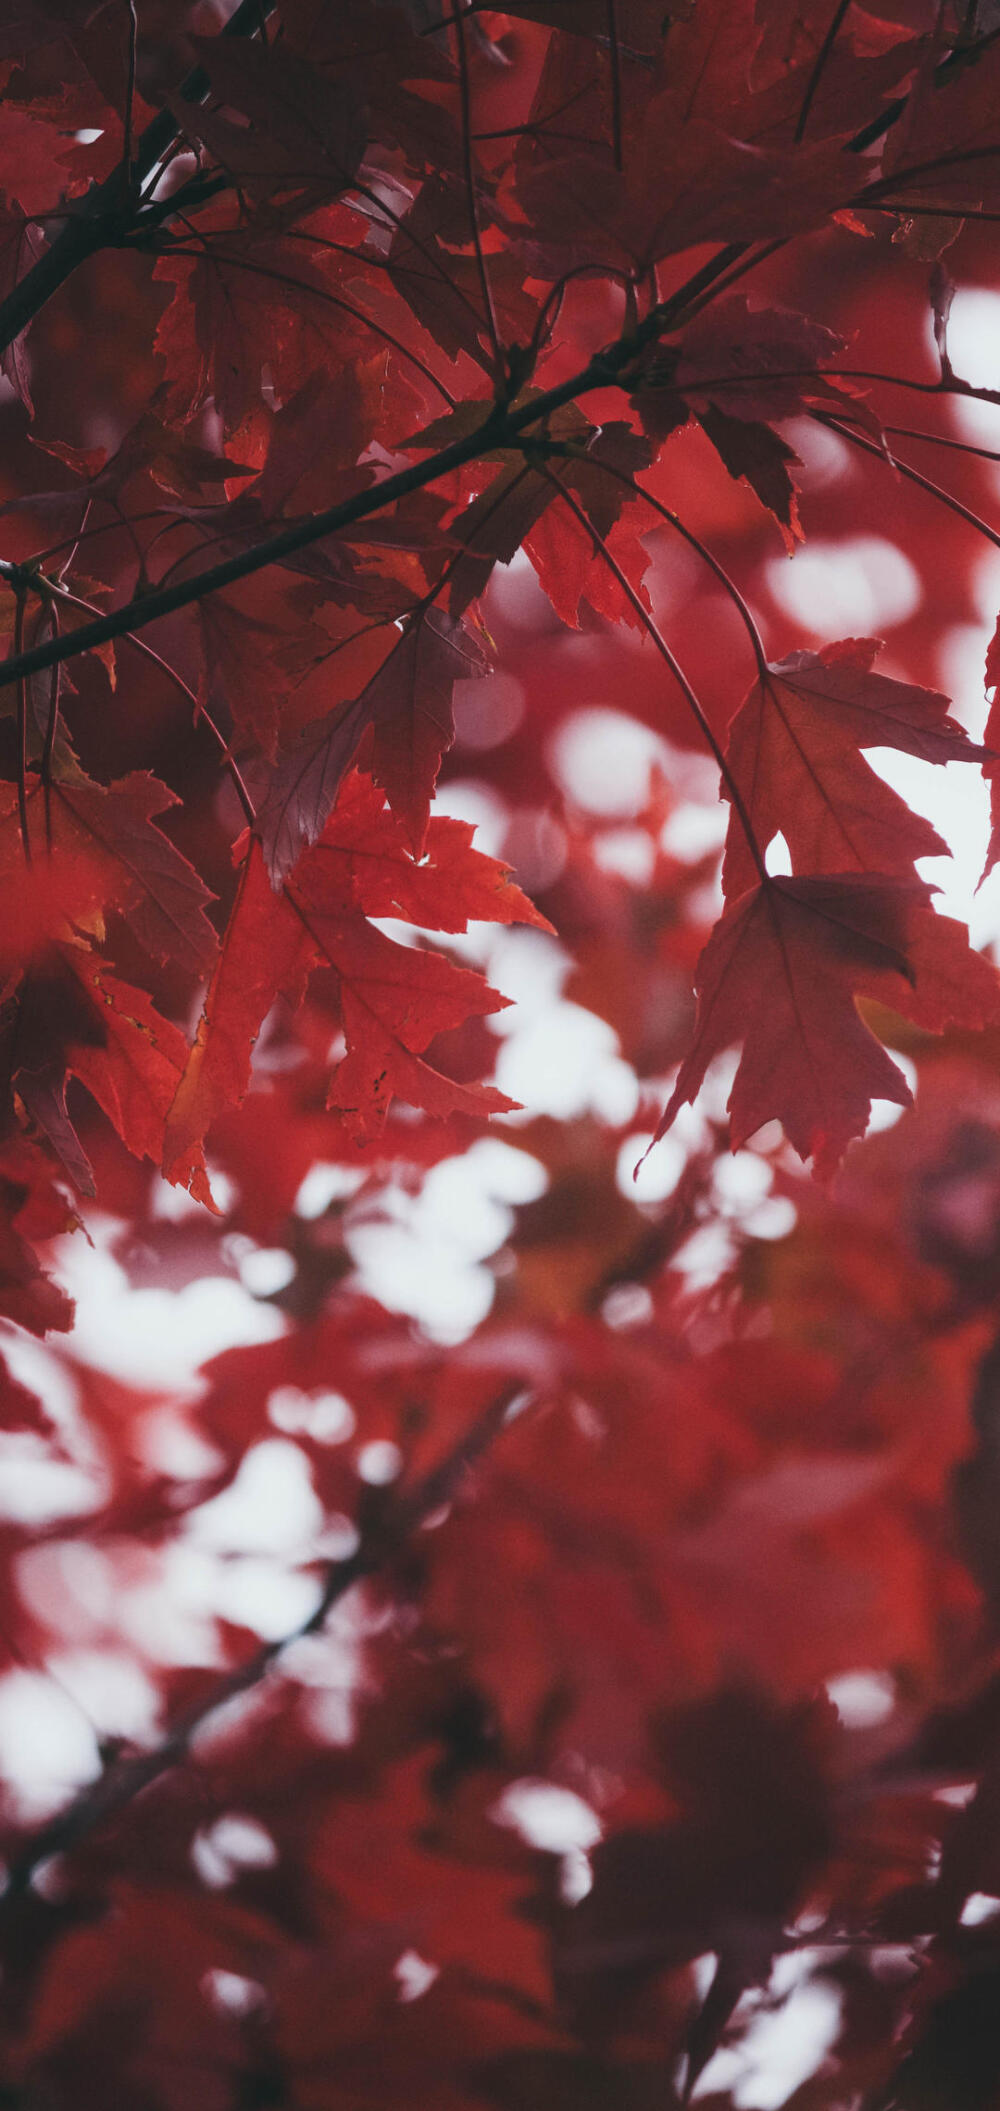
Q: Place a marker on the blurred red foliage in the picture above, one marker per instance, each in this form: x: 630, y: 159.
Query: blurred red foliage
x: 395, y: 396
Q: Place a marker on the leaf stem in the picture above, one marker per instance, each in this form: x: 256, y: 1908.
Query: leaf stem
x: 128, y: 176
x: 653, y: 631
x: 914, y: 476
x: 694, y: 541
x: 615, y: 58
x: 468, y: 166
x: 819, y: 67
x: 51, y: 728
x: 199, y: 710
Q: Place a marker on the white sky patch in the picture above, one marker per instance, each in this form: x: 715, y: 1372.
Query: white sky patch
x: 954, y: 797
x: 220, y: 1852
x: 741, y: 1180
x: 270, y: 1508
x: 516, y: 593
x: 380, y: 1462
x: 265, y: 1270
x: 782, y: 2047
x: 155, y: 1338
x: 773, y: 1218
x: 602, y: 759
x: 695, y: 829
x: 778, y: 858
x: 326, y: 1183
x: 530, y: 968
x: 465, y: 799
x: 630, y: 852
x: 231, y: 1993
x: 657, y: 1175
x: 557, y: 1820
x: 979, y: 1907
x: 973, y: 340
x: 429, y: 1278
x: 422, y: 1254
x: 324, y: 1416
x: 111, y: 1689
x: 36, y: 1489
x: 47, y: 1746
x: 863, y: 1698
x: 252, y: 1591
x: 859, y: 587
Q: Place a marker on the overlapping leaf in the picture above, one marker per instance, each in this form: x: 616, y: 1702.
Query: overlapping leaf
x: 301, y: 132
x: 407, y: 704
x: 393, y: 999
x: 686, y: 182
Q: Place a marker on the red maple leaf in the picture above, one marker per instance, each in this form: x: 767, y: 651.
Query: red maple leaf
x: 795, y: 753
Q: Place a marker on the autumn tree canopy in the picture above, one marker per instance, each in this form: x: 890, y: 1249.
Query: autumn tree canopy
x: 398, y: 398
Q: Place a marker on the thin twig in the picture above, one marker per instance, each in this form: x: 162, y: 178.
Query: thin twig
x: 320, y: 293
x: 914, y: 476
x: 746, y: 259
x: 823, y: 54
x: 108, y: 527
x: 51, y: 728
x: 88, y: 230
x: 615, y: 57
x: 948, y: 70
x: 653, y: 631
x: 128, y: 176
x: 501, y: 427
x: 199, y: 710
x: 470, y: 185
x: 940, y: 439
x: 694, y: 542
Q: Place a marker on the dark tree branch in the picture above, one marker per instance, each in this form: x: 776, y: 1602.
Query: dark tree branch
x: 89, y: 229
x: 100, y: 223
x: 501, y: 427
